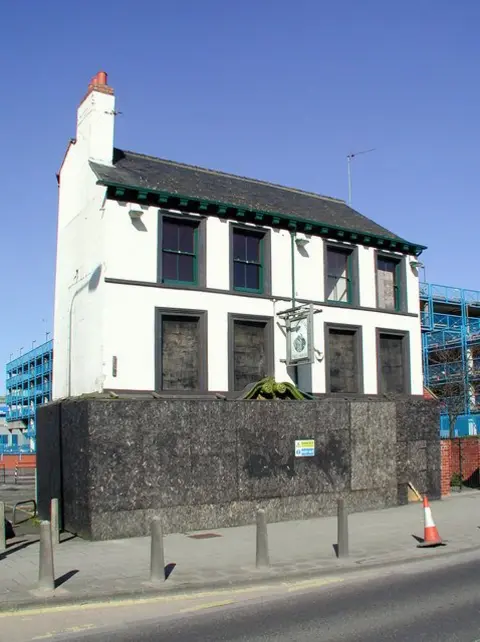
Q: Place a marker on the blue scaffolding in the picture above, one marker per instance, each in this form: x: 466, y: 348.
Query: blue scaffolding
x: 450, y: 320
x: 29, y: 384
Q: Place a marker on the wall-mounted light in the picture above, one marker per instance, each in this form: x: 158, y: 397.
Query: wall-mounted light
x: 302, y: 242
x: 416, y: 264
x: 136, y: 214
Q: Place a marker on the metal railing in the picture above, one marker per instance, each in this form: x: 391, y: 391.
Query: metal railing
x: 25, y: 467
x: 23, y: 503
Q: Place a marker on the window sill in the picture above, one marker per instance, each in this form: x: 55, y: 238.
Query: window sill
x: 179, y: 285
x: 391, y: 310
x: 345, y: 394
x: 341, y: 304
x: 247, y: 291
x: 264, y: 295
x: 355, y: 306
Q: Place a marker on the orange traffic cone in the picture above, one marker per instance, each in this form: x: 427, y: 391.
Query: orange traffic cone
x: 431, y: 536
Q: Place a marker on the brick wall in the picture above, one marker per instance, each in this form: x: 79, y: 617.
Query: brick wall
x: 460, y: 456
x: 466, y: 459
x: 446, y: 455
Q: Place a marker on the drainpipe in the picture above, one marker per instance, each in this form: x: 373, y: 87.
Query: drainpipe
x: 292, y: 249
x: 292, y: 253
x: 92, y: 285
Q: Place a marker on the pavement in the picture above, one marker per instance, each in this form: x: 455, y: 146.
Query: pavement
x: 89, y: 571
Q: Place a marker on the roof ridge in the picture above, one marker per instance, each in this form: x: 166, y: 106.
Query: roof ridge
x: 237, y: 176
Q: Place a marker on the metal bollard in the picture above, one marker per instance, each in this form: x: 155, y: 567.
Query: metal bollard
x: 46, y: 576
x: 3, y: 533
x: 55, y: 521
x: 157, y: 556
x: 262, y: 540
x: 342, y: 539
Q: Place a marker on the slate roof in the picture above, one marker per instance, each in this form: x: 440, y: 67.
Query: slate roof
x: 130, y: 169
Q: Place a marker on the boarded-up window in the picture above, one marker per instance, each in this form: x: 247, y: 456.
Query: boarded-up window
x: 343, y: 360
x: 387, y: 283
x: 339, y: 277
x: 180, y: 353
x: 250, y: 352
x: 392, y: 367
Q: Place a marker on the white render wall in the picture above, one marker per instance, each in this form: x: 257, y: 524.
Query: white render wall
x: 130, y: 309
x: 95, y: 321
x: 78, y: 364
x: 118, y: 320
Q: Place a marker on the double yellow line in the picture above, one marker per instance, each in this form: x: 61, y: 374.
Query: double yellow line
x: 179, y: 597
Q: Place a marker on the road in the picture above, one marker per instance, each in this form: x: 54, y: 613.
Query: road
x: 415, y: 602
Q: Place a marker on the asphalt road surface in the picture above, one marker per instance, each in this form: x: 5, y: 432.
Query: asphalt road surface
x: 409, y: 604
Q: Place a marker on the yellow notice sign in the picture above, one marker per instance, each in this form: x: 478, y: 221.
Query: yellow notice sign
x: 305, y: 448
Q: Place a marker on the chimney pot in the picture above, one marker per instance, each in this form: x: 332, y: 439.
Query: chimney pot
x: 101, y: 78
x: 99, y: 83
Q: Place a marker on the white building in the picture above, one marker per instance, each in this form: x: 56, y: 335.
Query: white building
x: 171, y: 278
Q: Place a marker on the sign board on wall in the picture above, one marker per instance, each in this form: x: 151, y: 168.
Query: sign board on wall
x: 305, y: 448
x: 299, y: 326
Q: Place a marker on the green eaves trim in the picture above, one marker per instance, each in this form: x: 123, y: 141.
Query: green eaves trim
x: 292, y: 221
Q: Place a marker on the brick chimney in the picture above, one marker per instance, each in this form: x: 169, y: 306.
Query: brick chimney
x: 100, y: 83
x: 96, y: 120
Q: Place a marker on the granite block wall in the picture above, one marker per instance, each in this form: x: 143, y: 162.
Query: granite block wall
x: 203, y: 464
x: 49, y: 455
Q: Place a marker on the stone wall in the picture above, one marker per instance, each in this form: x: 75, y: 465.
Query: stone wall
x: 203, y: 464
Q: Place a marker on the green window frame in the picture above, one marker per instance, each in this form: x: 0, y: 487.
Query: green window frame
x: 248, y: 266
x: 383, y: 262
x: 179, y: 256
x: 340, y: 251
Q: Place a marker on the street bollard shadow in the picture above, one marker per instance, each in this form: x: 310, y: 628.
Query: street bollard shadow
x: 13, y: 547
x: 65, y: 577
x: 335, y: 548
x: 67, y: 537
x: 169, y: 569
x: 11, y: 544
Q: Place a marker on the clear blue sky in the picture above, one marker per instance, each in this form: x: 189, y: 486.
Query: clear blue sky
x: 276, y: 89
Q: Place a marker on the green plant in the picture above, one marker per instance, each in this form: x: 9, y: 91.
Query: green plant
x: 455, y: 480
x: 268, y: 388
